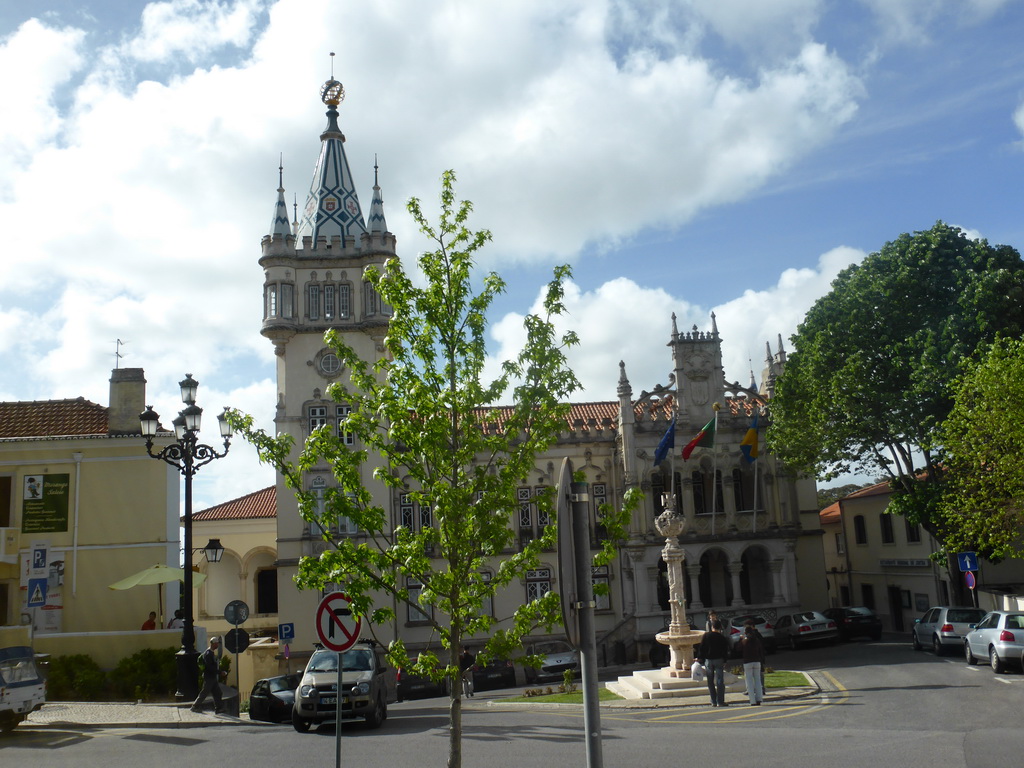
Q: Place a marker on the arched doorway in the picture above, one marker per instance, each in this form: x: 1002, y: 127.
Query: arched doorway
x: 756, y: 584
x: 714, y: 582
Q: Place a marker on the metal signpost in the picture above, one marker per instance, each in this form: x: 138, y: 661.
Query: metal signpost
x: 968, y: 562
x: 338, y: 631
x: 236, y: 640
x: 577, y: 593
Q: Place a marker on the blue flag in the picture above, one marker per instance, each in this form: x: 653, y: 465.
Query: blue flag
x: 668, y: 442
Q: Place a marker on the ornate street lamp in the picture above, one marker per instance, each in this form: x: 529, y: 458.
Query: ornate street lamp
x: 187, y: 455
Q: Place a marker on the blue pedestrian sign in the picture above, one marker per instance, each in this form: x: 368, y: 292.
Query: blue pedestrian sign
x: 968, y: 561
x: 286, y: 632
x: 36, y: 593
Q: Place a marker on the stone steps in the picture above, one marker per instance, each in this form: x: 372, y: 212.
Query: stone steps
x: 659, y: 684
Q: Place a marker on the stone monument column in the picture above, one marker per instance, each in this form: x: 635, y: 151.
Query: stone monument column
x: 679, y: 638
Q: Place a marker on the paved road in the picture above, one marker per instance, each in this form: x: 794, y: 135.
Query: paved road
x: 881, y: 704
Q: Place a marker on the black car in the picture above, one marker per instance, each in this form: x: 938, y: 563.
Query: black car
x: 272, y: 698
x: 413, y: 686
x: 497, y: 673
x: 855, y: 621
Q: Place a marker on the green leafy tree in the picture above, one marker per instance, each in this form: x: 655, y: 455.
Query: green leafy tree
x: 867, y: 386
x: 983, y: 440
x: 427, y: 424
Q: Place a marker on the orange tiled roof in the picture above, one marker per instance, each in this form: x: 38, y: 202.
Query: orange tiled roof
x: 878, y: 489
x: 52, y: 418
x: 830, y: 514
x: 581, y: 416
x: 252, y: 506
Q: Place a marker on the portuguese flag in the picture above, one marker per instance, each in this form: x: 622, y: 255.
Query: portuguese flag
x: 704, y: 438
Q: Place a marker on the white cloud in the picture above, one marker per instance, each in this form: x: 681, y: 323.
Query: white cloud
x: 38, y: 62
x: 622, y: 320
x: 192, y: 29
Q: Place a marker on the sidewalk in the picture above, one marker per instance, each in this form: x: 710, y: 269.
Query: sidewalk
x: 69, y: 714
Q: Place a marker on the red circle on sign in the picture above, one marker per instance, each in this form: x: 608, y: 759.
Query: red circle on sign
x: 337, y: 629
x: 969, y: 578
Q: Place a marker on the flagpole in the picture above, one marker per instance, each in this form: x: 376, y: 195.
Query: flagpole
x: 714, y: 473
x: 755, y: 494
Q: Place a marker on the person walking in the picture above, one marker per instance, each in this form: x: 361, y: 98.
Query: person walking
x: 712, y: 652
x: 466, y: 662
x: 208, y: 664
x: 752, y: 649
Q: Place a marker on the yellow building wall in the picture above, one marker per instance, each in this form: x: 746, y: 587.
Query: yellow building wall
x: 122, y: 518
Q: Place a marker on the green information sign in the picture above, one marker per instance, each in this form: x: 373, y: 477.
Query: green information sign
x: 45, y: 504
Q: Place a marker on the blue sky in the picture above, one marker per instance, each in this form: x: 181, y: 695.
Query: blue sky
x: 685, y: 156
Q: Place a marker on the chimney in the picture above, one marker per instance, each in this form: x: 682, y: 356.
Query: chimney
x: 127, y: 401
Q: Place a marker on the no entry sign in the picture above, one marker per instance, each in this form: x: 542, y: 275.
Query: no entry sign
x: 337, y: 628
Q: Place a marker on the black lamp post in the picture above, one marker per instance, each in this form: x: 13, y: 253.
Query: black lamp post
x: 187, y: 455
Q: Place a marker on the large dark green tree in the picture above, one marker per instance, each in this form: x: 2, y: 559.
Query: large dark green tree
x: 982, y: 507
x: 427, y: 423
x: 867, y: 386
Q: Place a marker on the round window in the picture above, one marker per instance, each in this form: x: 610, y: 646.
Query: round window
x: 330, y: 364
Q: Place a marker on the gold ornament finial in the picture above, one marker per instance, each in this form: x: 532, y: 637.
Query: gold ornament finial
x: 716, y: 407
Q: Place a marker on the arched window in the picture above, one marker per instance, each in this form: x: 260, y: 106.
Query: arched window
x: 266, y: 590
x: 860, y: 530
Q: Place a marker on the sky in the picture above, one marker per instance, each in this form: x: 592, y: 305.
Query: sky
x: 683, y: 156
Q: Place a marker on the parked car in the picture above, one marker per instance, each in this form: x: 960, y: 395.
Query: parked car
x: 496, y: 673
x: 734, y: 631
x: 368, y: 685
x: 557, y: 657
x: 944, y: 627
x: 855, y: 621
x: 273, y: 698
x: 22, y: 688
x: 804, y: 627
x: 414, y: 686
x: 998, y: 637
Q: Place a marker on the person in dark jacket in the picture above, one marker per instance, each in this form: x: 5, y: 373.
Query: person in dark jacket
x: 209, y: 666
x: 712, y: 653
x: 752, y: 650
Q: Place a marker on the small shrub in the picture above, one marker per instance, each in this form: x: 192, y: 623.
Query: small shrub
x: 568, y: 684
x: 75, y: 678
x: 148, y: 674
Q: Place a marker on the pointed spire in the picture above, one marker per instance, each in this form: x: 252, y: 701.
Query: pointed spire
x: 280, y: 225
x: 714, y: 326
x: 295, y: 213
x: 332, y: 206
x: 376, y: 223
x: 624, y: 389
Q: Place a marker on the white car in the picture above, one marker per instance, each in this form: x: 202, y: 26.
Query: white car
x: 797, y: 629
x: 999, y: 638
x: 734, y: 631
x: 558, y: 656
x: 368, y: 685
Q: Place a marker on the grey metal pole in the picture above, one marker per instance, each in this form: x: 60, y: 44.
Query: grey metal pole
x: 585, y: 614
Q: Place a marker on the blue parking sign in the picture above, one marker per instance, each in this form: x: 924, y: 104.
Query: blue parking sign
x: 286, y: 632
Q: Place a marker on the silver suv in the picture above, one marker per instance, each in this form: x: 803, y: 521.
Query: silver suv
x: 944, y: 627
x: 368, y: 685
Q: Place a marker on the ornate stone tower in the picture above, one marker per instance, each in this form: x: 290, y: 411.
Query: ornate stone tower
x: 314, y: 281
